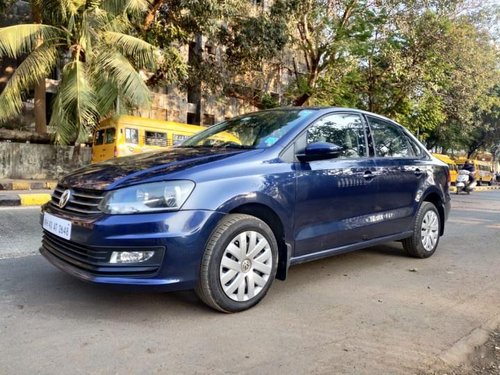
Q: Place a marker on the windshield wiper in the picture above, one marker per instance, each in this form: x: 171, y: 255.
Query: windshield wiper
x: 232, y: 145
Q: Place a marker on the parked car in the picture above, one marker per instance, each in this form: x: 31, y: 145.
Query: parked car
x: 226, y: 218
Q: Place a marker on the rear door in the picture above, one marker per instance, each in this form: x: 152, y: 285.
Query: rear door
x: 401, y: 169
x: 334, y: 197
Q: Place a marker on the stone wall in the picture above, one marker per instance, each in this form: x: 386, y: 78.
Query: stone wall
x: 39, y: 162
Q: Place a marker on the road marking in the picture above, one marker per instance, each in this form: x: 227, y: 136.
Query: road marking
x: 18, y: 255
x: 458, y: 221
x: 493, y: 226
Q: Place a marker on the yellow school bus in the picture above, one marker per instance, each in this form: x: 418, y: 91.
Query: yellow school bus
x: 484, y: 170
x: 451, y: 165
x: 128, y: 135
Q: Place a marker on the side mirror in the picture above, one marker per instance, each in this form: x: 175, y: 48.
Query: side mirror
x: 320, y: 151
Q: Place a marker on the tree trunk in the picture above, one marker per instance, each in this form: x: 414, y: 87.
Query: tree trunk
x: 40, y: 112
x: 40, y: 99
x: 150, y: 16
x: 301, y: 100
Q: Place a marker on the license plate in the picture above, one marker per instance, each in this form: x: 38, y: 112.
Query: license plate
x: 58, y: 226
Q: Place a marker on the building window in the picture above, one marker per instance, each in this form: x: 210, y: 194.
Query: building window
x: 210, y: 50
x: 191, y: 119
x: 208, y: 120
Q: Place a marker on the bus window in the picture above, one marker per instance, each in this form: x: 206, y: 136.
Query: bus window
x: 131, y: 135
x: 110, y: 135
x: 155, y: 139
x: 99, y: 137
x: 178, y: 138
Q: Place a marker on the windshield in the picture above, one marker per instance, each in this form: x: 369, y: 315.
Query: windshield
x: 255, y: 130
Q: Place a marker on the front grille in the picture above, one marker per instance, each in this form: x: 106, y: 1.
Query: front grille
x: 95, y: 259
x: 80, y: 255
x: 82, y: 201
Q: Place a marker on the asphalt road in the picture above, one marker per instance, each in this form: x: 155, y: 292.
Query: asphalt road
x: 370, y: 312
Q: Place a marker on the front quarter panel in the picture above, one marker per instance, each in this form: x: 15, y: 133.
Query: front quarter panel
x: 269, y: 183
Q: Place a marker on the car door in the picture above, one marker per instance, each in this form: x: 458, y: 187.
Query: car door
x: 334, y: 197
x: 400, y: 170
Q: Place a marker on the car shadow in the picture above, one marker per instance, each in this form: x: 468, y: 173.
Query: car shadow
x: 33, y: 285
x: 37, y: 286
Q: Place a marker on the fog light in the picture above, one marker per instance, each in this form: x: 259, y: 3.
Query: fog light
x: 121, y: 257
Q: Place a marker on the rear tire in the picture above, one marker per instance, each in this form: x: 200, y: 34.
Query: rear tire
x: 426, y: 229
x: 239, y: 264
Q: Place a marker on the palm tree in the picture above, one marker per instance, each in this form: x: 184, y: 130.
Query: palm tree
x: 100, y: 62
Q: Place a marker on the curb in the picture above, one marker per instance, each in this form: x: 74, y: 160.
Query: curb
x: 459, y: 352
x: 15, y: 200
x: 453, y: 189
x: 9, y: 200
x: 23, y: 185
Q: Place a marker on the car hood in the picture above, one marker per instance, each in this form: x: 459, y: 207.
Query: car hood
x: 130, y: 170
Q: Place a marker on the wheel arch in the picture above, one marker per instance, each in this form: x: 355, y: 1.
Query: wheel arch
x: 271, y: 218
x: 434, y: 198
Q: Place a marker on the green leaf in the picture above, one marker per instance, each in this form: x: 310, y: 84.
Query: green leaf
x: 34, y: 68
x: 75, y: 108
x: 117, y: 7
x: 123, y: 74
x: 141, y: 52
x: 18, y: 40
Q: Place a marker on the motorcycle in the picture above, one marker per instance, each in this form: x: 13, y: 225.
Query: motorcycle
x: 464, y: 182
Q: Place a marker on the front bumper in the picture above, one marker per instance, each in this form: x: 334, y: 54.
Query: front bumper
x: 178, y: 239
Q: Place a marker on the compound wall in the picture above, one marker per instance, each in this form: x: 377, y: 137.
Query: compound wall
x: 38, y: 162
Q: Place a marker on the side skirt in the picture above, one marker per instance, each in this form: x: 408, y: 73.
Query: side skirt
x: 348, y: 248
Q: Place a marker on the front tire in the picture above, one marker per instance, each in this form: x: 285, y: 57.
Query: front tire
x: 425, y: 238
x: 239, y: 264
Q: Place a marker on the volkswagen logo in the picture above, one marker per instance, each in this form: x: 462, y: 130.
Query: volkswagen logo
x: 246, y: 265
x: 63, y: 201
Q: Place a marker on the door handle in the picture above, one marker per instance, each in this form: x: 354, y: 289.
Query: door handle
x: 368, y: 176
x: 418, y: 173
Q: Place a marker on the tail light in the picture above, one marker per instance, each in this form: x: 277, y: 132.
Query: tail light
x: 116, y: 154
x: 448, y: 178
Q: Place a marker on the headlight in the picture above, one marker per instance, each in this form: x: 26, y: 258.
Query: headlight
x: 157, y: 196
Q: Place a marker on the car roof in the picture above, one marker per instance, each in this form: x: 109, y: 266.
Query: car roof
x: 327, y: 109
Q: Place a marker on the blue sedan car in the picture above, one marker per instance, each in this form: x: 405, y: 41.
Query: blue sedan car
x: 233, y: 207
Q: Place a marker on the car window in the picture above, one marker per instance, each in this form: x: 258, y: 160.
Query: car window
x: 343, y: 129
x: 415, y: 148
x: 254, y: 130
x: 389, y: 140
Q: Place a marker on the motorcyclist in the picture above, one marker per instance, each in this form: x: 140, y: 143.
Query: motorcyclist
x: 469, y: 166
